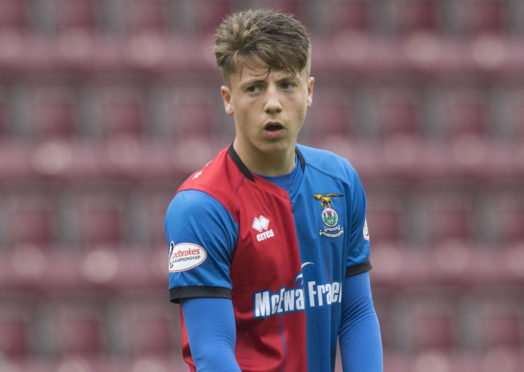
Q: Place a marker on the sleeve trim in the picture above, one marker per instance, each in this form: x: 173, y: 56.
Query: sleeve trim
x: 179, y: 293
x: 358, y: 269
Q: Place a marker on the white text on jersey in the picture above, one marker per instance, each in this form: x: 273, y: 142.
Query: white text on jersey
x: 286, y: 300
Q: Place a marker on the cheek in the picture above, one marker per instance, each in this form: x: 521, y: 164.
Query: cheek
x: 242, y: 119
x: 301, y: 110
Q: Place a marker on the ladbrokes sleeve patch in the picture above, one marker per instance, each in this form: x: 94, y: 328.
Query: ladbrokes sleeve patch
x: 185, y: 256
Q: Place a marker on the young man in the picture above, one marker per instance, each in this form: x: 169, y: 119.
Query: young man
x: 268, y: 243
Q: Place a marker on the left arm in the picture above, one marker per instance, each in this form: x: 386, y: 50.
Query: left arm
x: 360, y: 342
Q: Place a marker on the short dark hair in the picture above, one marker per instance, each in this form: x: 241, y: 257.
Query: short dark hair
x: 274, y: 39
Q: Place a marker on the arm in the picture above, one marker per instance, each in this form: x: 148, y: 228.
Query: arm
x: 360, y: 342
x: 210, y: 325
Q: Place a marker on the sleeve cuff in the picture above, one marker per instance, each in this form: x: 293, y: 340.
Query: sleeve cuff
x: 180, y: 293
x: 358, y: 269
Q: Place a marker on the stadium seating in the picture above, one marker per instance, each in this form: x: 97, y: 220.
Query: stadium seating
x: 386, y: 218
x: 484, y: 16
x: 145, y: 16
x: 16, y: 325
x: 3, y: 115
x: 346, y: 15
x: 14, y: 15
x: 53, y: 113
x: 100, y: 219
x: 76, y: 15
x: 192, y: 112
x: 334, y: 111
x: 107, y: 106
x: 30, y: 220
x: 145, y: 328
x: 122, y: 110
x: 70, y: 317
x: 398, y: 113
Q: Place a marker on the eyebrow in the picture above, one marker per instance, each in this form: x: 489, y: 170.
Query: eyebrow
x: 254, y: 81
x: 264, y: 81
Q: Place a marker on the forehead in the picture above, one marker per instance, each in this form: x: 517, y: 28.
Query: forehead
x: 249, y: 70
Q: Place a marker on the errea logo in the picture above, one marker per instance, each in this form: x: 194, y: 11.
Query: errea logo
x: 261, y: 224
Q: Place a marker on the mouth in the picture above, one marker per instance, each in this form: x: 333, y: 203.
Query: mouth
x: 273, y: 127
x: 274, y: 130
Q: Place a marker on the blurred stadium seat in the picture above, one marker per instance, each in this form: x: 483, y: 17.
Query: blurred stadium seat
x: 72, y: 316
x: 287, y: 6
x: 31, y: 220
x: 123, y: 112
x: 192, y: 112
x: 145, y: 16
x: 507, y: 217
x: 3, y: 115
x: 466, y: 114
x: 331, y: 116
x: 16, y: 326
x: 398, y: 113
x: 146, y: 327
x: 200, y: 17
x: 485, y: 16
x: 101, y: 220
x: 448, y: 216
x: 516, y: 114
x: 496, y: 320
x: 14, y: 15
x: 353, y: 15
x: 416, y: 15
x: 386, y: 218
x: 53, y: 113
x: 432, y: 322
x: 77, y: 15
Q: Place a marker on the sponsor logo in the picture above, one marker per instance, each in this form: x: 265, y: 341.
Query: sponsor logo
x: 261, y: 224
x: 365, y: 230
x: 329, y: 216
x: 185, y: 256
x: 289, y: 300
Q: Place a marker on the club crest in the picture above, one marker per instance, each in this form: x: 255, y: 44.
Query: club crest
x: 329, y: 216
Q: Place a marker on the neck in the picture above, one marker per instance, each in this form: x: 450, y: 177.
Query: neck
x: 274, y: 163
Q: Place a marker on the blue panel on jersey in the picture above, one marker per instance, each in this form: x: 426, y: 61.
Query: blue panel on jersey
x: 329, y: 209
x: 209, y: 225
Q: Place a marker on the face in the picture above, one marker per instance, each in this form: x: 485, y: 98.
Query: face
x: 269, y: 110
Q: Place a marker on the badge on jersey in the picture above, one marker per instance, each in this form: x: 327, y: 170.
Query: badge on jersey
x: 185, y: 256
x: 329, y: 215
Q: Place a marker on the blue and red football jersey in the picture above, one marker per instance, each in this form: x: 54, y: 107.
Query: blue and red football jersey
x: 281, y: 256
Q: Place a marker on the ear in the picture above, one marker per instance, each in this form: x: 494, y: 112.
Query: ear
x: 310, y: 85
x: 226, y: 97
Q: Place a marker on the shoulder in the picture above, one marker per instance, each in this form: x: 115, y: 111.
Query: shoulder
x: 219, y: 178
x: 193, y: 203
x: 328, y: 163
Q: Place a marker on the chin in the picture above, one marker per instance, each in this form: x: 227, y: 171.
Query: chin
x: 275, y: 147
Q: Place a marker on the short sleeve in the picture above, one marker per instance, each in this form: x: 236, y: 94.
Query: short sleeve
x: 358, y: 257
x: 201, y: 235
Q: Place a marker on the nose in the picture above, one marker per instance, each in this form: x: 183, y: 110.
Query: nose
x: 273, y: 104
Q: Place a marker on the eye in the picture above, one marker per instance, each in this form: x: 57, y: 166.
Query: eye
x: 286, y: 85
x: 253, y: 89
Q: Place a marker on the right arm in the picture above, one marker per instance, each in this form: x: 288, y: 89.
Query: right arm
x: 210, y: 324
x: 204, y: 289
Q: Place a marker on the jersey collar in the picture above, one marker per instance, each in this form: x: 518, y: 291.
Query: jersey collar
x: 246, y: 172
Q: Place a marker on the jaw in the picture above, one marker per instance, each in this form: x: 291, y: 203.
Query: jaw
x: 268, y: 157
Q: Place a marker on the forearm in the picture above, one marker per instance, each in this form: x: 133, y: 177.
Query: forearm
x: 210, y: 326
x: 360, y: 341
